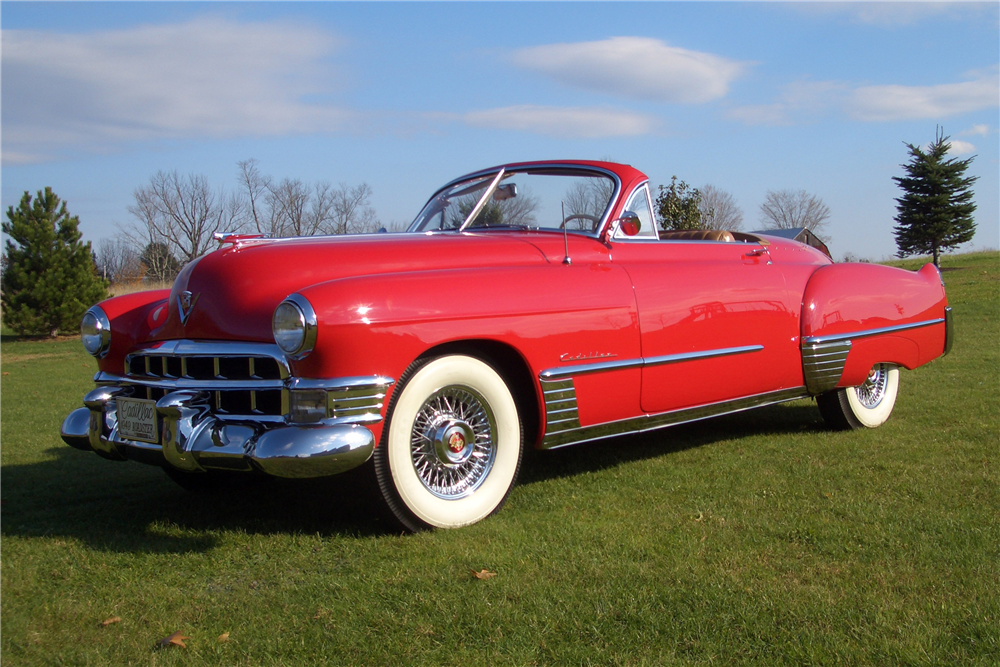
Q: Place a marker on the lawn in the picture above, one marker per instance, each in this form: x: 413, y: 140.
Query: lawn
x: 757, y: 538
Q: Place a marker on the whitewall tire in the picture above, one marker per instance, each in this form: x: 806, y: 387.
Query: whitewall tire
x: 451, y: 449
x: 866, y: 406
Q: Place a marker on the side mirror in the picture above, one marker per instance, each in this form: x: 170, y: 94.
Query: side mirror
x: 506, y: 191
x: 629, y: 223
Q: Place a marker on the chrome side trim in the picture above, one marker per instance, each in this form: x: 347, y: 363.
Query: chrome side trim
x: 642, y: 362
x: 870, y: 332
x: 949, y: 329
x: 561, y: 411
x: 342, y: 384
x: 664, y: 419
x: 707, y: 354
x: 823, y: 364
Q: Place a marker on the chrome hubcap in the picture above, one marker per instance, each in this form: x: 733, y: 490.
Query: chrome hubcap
x: 451, y: 442
x: 871, y: 393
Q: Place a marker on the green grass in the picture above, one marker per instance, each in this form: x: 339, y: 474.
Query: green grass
x: 758, y: 538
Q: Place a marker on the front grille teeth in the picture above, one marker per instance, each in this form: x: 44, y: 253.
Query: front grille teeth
x: 239, y: 383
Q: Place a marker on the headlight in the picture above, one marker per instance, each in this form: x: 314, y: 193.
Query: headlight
x: 95, y: 332
x: 294, y: 326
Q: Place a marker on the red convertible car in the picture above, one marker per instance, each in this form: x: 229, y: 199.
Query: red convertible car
x: 532, y: 304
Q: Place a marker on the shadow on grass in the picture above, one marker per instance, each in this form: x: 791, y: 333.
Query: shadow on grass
x: 130, y: 507
x: 775, y: 420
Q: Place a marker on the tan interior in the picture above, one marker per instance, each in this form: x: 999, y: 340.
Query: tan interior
x: 698, y: 235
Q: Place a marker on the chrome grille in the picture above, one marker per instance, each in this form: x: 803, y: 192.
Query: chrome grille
x: 240, y: 378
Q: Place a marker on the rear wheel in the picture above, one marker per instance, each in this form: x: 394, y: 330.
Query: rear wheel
x: 866, y: 406
x: 451, y: 450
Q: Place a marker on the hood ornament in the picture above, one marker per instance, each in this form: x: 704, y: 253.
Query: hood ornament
x: 185, y: 304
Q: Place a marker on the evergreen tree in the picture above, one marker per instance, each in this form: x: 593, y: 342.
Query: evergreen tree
x: 49, y: 279
x: 677, y: 206
x: 935, y: 211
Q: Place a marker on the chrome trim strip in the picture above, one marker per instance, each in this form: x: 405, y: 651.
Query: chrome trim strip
x: 870, y: 332
x: 664, y: 419
x: 949, y: 329
x: 707, y: 354
x: 482, y: 200
x: 173, y: 384
x: 341, y: 384
x: 641, y: 362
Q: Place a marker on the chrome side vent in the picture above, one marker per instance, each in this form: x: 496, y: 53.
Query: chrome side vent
x: 561, y: 412
x: 823, y: 364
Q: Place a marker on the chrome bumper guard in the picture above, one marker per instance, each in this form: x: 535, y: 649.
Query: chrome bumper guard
x: 192, y: 438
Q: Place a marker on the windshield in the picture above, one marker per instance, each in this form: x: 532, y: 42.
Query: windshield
x: 528, y: 199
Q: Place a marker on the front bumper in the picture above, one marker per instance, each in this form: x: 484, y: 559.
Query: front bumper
x: 192, y: 438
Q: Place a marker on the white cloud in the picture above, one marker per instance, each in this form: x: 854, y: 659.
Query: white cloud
x: 205, y: 78
x: 980, y: 130
x: 571, y: 122
x: 881, y: 103
x: 956, y: 147
x: 797, y: 99
x: 635, y: 67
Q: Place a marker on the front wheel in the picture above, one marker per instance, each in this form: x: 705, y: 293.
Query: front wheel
x: 451, y: 450
x: 866, y: 406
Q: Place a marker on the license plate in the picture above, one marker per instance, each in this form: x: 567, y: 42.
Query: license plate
x: 137, y: 420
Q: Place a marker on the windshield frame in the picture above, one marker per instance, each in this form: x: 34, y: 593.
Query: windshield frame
x: 498, y: 173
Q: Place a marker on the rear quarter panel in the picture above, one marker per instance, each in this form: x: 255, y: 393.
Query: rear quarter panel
x: 843, y: 299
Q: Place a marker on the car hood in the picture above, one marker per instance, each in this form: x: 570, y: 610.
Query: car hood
x: 233, y: 292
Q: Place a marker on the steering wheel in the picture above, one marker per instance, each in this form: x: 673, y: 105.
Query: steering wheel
x: 581, y: 216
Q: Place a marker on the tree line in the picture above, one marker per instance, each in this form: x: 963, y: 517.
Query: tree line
x: 49, y: 276
x: 174, y: 218
x: 680, y: 207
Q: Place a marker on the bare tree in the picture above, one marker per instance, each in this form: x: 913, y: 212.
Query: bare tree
x: 256, y: 209
x: 349, y: 210
x: 789, y: 209
x: 719, y: 210
x: 118, y: 261
x: 184, y: 213
x: 291, y: 208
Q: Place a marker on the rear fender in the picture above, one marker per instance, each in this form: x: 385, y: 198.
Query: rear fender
x: 857, y: 315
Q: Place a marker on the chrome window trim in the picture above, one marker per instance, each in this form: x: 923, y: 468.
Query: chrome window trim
x: 530, y: 168
x: 866, y: 333
x: 649, y: 201
x: 642, y: 362
x: 490, y: 189
x: 651, y: 422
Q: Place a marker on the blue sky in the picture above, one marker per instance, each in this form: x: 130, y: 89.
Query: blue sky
x: 748, y: 97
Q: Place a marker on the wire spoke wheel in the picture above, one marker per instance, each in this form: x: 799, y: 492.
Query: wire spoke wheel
x: 451, y: 442
x: 451, y: 449
x: 866, y: 406
x: 871, y: 393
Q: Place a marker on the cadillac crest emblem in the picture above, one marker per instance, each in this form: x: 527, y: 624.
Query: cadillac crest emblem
x: 185, y: 304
